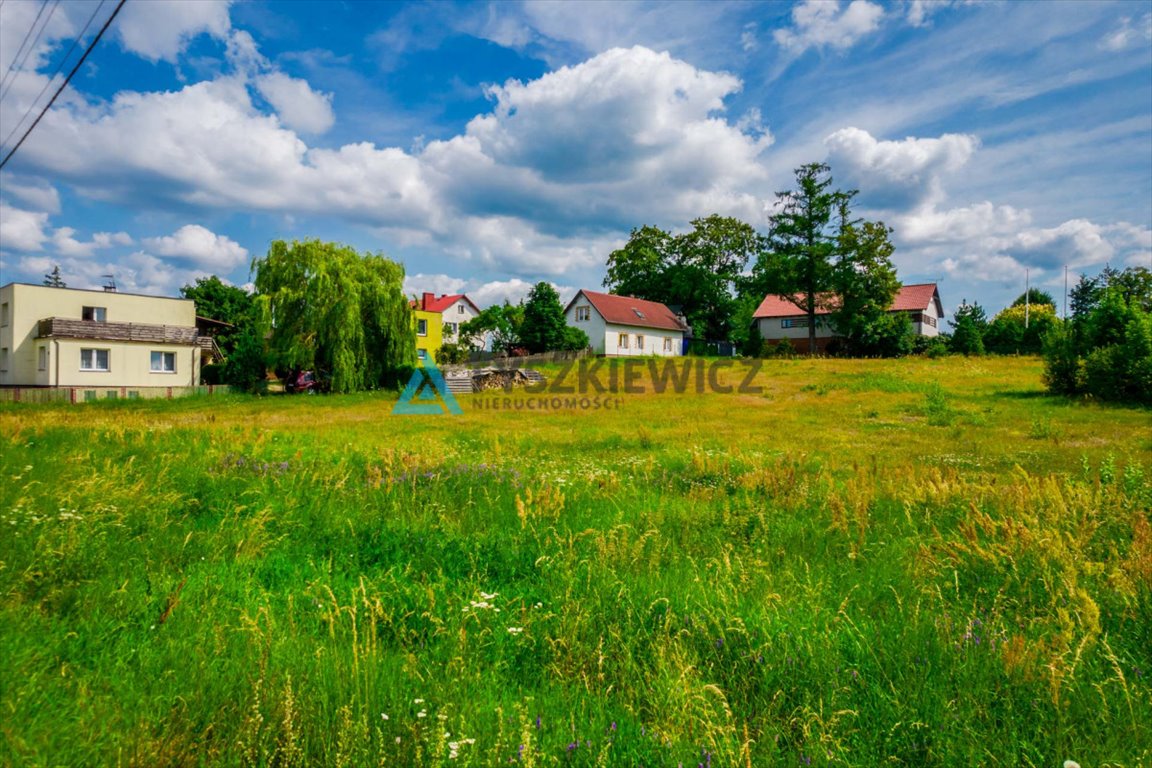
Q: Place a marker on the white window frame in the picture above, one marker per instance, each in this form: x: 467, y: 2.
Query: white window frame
x: 622, y: 341
x: 420, y: 321
x: 164, y: 356
x: 41, y: 358
x: 99, y: 314
x: 450, y: 329
x: 667, y: 343
x: 95, y: 360
x: 639, y: 342
x: 460, y: 308
x: 421, y: 354
x: 3, y: 358
x: 4, y: 314
x: 583, y: 314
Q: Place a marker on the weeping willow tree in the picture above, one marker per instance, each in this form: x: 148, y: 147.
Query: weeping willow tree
x: 333, y: 309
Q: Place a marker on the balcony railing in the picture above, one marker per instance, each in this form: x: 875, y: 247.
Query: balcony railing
x: 68, y: 328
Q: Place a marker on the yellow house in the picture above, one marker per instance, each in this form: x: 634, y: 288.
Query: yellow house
x: 442, y: 317
x: 107, y: 343
x: 429, y: 333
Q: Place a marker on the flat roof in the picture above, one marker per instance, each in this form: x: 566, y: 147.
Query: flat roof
x: 97, y: 290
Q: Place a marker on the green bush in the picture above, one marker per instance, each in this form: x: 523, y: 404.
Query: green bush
x: 1063, y: 368
x: 452, y: 354
x: 930, y: 346
x: 247, y: 368
x: 1107, y: 350
x: 784, y: 348
x: 212, y: 374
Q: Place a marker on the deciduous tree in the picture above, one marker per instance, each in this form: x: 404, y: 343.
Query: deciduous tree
x: 543, y: 327
x: 865, y: 285
x: 336, y: 310
x: 698, y: 271
x: 226, y: 303
x: 968, y: 326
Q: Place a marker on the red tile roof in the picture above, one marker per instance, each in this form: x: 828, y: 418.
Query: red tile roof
x: 910, y: 298
x: 625, y: 310
x: 428, y: 302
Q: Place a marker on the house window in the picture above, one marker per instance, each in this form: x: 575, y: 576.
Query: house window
x: 459, y: 309
x: 42, y: 359
x: 94, y: 360
x: 3, y: 358
x: 421, y: 327
x: 163, y: 362
x: 794, y: 322
x: 667, y: 344
x: 623, y: 341
x: 422, y: 354
x: 928, y: 320
x: 583, y: 314
x: 4, y: 314
x: 639, y: 341
x: 450, y: 328
x: 95, y: 314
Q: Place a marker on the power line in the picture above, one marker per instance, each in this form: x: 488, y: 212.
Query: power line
x: 48, y: 83
x: 24, y: 42
x: 15, y: 70
x: 63, y: 85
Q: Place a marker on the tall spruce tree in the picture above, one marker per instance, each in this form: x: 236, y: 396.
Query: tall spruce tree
x: 803, y: 244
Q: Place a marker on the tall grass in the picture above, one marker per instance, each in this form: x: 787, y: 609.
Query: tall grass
x: 873, y: 562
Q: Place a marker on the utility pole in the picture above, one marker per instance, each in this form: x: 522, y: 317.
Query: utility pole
x: 1065, y: 293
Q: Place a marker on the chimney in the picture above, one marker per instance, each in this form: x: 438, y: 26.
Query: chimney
x: 427, y: 299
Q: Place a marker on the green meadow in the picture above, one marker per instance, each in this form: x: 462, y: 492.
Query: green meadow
x: 912, y: 562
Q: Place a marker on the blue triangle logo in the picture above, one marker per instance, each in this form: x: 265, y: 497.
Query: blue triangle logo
x: 427, y: 394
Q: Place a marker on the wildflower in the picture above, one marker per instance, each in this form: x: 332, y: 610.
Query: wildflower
x: 1071, y: 764
x: 421, y: 713
x: 383, y: 716
x: 417, y: 701
x: 515, y: 630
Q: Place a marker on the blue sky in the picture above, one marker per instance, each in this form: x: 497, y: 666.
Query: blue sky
x: 491, y: 145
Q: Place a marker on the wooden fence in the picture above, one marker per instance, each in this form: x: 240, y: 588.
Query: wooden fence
x: 490, y: 360
x: 90, y: 394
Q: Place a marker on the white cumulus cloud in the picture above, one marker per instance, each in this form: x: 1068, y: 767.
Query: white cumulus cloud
x: 824, y: 24
x: 160, y: 30
x: 200, y: 247
x: 300, y: 108
x: 22, y: 230
x: 897, y: 174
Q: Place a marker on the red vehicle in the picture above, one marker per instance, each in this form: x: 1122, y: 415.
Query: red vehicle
x: 307, y: 382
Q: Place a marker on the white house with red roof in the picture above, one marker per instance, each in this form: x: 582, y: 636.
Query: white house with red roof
x: 624, y: 326
x: 454, y: 309
x: 777, y: 318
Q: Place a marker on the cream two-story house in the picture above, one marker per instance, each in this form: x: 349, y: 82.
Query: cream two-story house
x: 104, y: 342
